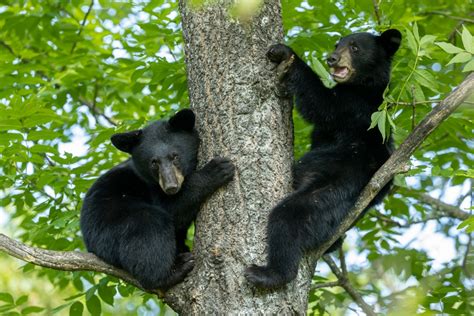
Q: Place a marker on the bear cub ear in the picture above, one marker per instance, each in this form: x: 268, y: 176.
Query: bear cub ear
x: 126, y: 141
x: 390, y: 40
x: 183, y: 120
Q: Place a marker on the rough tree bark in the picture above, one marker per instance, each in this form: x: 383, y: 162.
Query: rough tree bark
x: 231, y: 87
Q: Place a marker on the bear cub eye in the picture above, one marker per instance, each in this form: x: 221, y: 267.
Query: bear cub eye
x: 354, y: 47
x: 174, y: 157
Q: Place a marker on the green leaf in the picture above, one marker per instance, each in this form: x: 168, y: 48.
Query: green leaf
x: 59, y: 308
x: 21, y: 300
x: 418, y: 93
x: 322, y: 72
x: 412, y: 44
x: 469, y: 66
x: 90, y: 292
x: 468, y: 224
x: 7, y: 125
x: 381, y: 124
x: 427, y: 40
x: 375, y: 119
x: 31, y: 309
x: 426, y: 79
x: 467, y: 40
x: 107, y: 294
x: 76, y: 309
x: 449, y: 48
x: 5, y: 297
x: 415, y: 32
x: 7, y: 307
x: 94, y: 306
x: 460, y: 58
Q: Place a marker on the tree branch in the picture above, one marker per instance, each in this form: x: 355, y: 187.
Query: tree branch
x: 81, y: 28
x: 65, y: 260
x: 465, y: 261
x: 346, y: 284
x: 440, y: 206
x: 377, y: 11
x: 458, y: 18
x: 95, y: 111
x: 8, y: 48
x: 323, y: 285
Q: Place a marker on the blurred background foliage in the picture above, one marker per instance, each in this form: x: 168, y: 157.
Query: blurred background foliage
x: 72, y: 73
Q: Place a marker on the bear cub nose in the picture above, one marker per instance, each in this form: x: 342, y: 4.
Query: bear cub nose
x: 333, y: 59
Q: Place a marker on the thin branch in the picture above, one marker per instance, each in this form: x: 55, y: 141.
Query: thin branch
x: 443, y: 207
x: 8, y: 47
x: 94, y: 98
x: 95, y: 111
x: 440, y: 206
x: 70, y: 15
x: 413, y: 106
x: 342, y: 259
x: 388, y: 220
x: 49, y: 161
x: 345, y: 283
x: 335, y: 283
x: 83, y: 23
x: 377, y: 12
x: 465, y: 261
x: 459, y: 18
x: 408, y: 224
x: 452, y: 34
x: 324, y: 285
x: 463, y: 197
x: 412, y: 103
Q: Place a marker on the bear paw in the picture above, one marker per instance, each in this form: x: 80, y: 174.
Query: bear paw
x: 279, y: 52
x: 220, y: 169
x: 184, y: 257
x: 264, y: 277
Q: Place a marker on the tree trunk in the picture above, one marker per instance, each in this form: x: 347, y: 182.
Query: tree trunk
x: 232, y: 90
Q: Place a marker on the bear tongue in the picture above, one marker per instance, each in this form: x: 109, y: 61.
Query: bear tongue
x: 340, y: 72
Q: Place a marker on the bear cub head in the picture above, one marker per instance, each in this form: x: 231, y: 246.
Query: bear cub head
x: 364, y: 57
x: 164, y: 152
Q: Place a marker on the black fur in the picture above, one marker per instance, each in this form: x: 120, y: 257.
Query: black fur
x: 344, y: 153
x: 127, y: 218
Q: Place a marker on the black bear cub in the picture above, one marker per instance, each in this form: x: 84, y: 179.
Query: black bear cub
x: 344, y: 153
x: 136, y: 215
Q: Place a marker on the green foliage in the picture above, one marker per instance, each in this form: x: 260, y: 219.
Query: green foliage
x: 18, y: 306
x: 72, y: 75
x: 463, y: 56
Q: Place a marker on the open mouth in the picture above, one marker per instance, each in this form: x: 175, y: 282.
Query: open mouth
x: 340, y: 73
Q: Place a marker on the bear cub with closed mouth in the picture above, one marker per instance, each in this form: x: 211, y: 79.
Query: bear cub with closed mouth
x: 344, y: 153
x: 136, y: 215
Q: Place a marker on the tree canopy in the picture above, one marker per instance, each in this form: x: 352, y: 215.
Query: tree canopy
x: 72, y: 73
